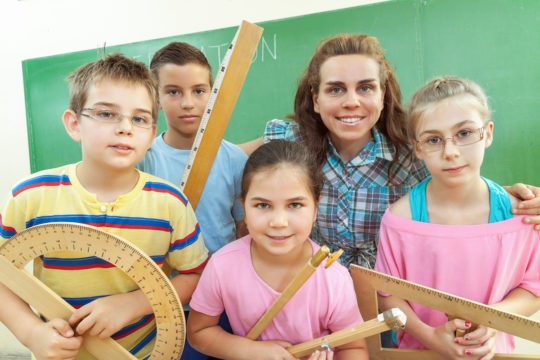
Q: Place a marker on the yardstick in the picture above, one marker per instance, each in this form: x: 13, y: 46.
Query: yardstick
x: 367, y: 282
x: 41, y: 239
x: 227, y: 85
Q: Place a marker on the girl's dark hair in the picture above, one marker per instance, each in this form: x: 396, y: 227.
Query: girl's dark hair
x: 278, y: 153
x: 392, y: 120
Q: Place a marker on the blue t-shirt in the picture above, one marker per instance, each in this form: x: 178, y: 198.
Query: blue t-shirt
x: 499, y: 202
x: 219, y: 206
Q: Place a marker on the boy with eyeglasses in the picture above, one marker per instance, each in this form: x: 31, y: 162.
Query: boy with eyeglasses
x: 112, y: 113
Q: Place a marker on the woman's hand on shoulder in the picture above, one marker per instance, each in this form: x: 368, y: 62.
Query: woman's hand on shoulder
x: 528, y: 202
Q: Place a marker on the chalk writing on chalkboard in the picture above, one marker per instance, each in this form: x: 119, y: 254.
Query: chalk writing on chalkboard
x: 266, y: 51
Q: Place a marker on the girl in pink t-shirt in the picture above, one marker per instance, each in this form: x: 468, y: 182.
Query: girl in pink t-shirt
x: 455, y: 231
x: 280, y: 188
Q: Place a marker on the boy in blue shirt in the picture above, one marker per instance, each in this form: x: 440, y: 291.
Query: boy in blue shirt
x: 184, y: 80
x: 184, y: 83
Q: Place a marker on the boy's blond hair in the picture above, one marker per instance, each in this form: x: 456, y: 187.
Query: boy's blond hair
x: 113, y: 67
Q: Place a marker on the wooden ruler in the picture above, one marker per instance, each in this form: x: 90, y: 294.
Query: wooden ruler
x: 229, y: 80
x: 291, y: 289
x: 392, y: 319
x: 367, y: 282
x: 39, y: 240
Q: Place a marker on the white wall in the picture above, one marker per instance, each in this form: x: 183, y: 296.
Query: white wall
x: 36, y: 28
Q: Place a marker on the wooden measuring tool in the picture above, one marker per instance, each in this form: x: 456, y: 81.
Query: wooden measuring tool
x: 41, y: 239
x: 392, y: 319
x: 289, y: 292
x: 367, y: 282
x: 227, y: 85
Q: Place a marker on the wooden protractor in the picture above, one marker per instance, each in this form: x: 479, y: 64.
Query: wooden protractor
x: 41, y: 239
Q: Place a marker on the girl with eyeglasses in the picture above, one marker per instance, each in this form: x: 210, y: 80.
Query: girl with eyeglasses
x: 455, y: 231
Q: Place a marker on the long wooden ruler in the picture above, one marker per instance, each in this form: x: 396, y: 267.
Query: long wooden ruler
x: 367, y: 282
x: 227, y: 85
x: 392, y: 319
x: 291, y: 289
x: 39, y: 240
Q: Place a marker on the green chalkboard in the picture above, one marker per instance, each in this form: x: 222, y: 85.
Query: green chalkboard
x: 494, y: 42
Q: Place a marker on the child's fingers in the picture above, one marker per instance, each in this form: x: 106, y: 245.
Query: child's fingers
x: 78, y: 316
x: 322, y: 355
x: 484, y: 352
x: 458, y: 327
x: 70, y: 344
x: 479, y: 336
x: 62, y: 327
x: 330, y: 355
x: 84, y: 323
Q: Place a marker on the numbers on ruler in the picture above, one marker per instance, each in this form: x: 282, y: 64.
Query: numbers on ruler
x: 392, y: 282
x: 208, y: 111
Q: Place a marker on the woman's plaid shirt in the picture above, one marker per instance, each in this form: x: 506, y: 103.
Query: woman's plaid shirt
x: 355, y: 194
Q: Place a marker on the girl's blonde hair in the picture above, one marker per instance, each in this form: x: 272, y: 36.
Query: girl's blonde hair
x: 439, y: 89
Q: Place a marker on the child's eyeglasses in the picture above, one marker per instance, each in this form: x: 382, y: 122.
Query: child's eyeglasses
x: 462, y: 138
x: 108, y: 116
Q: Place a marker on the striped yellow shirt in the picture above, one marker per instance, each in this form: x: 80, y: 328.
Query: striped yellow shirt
x: 155, y: 216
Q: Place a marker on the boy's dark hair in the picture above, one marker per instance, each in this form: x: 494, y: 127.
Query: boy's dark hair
x: 179, y: 53
x: 278, y: 153
x: 115, y: 67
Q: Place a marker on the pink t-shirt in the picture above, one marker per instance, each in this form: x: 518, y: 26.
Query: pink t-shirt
x: 478, y: 262
x: 324, y: 304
